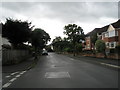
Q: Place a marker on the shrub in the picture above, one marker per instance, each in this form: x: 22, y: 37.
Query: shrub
x: 112, y: 50
x: 68, y: 49
x: 100, y: 46
x: 117, y: 49
x: 79, y: 47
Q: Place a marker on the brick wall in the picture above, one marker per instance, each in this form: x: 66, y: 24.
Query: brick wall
x: 88, y: 43
x: 113, y: 39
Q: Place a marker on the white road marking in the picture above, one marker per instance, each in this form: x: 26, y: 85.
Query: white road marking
x: 7, y: 76
x: 51, y: 56
x: 13, y: 79
x: 68, y: 74
x: 71, y: 59
x: 23, y: 72
x: 57, y: 75
x: 6, y: 85
x: 111, y: 65
x: 53, y: 66
x: 17, y: 76
x: 14, y: 73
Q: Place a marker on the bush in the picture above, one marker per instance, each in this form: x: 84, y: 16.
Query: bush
x: 68, y: 50
x: 6, y: 46
x: 117, y: 49
x: 79, y: 47
x: 100, y: 46
x: 112, y: 50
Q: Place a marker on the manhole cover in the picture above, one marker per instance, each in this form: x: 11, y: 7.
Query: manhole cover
x: 57, y: 75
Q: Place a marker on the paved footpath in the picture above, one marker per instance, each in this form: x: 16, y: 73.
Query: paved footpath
x: 11, y: 72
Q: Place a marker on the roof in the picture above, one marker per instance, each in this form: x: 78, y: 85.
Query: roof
x: 104, y: 29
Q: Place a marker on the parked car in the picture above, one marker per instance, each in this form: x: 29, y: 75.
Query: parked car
x: 44, y: 52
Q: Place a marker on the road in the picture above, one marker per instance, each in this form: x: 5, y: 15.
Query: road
x: 60, y: 71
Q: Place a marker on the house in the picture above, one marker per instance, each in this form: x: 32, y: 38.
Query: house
x: 88, y: 45
x: 111, y: 37
x: 109, y: 33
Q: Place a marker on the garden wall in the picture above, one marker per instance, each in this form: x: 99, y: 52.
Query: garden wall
x: 14, y: 56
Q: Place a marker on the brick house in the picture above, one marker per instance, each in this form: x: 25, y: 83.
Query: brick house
x: 111, y: 37
x: 109, y: 33
x: 88, y: 45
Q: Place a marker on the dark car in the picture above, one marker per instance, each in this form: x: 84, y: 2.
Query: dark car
x: 44, y: 52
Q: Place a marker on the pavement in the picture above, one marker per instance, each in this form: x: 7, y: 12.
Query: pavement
x: 25, y: 65
x: 12, y: 70
x: 61, y: 71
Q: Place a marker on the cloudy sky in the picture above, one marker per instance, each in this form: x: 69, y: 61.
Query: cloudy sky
x: 53, y: 16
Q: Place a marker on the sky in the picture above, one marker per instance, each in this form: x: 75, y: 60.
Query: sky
x: 53, y: 16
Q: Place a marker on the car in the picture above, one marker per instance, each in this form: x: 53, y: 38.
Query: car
x: 44, y: 52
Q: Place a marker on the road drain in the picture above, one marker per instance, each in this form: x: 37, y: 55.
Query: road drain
x: 57, y: 75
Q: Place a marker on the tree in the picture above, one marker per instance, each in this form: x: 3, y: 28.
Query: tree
x: 94, y: 38
x: 100, y: 46
x: 75, y: 34
x: 39, y: 39
x: 79, y: 47
x: 57, y: 39
x: 16, y: 31
x: 60, y: 44
x: 56, y: 43
x: 49, y: 48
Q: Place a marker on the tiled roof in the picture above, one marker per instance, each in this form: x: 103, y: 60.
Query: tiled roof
x: 103, y: 29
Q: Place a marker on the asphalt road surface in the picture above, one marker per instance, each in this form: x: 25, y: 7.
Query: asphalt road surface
x: 60, y: 71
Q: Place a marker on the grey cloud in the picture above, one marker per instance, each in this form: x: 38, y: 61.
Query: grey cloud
x: 65, y: 11
x: 84, y: 11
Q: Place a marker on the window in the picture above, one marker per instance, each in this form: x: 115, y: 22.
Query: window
x: 116, y: 33
x: 112, y: 44
x: 112, y: 33
x: 107, y: 44
x: 106, y: 34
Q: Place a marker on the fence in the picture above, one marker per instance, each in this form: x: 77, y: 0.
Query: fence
x: 14, y: 56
